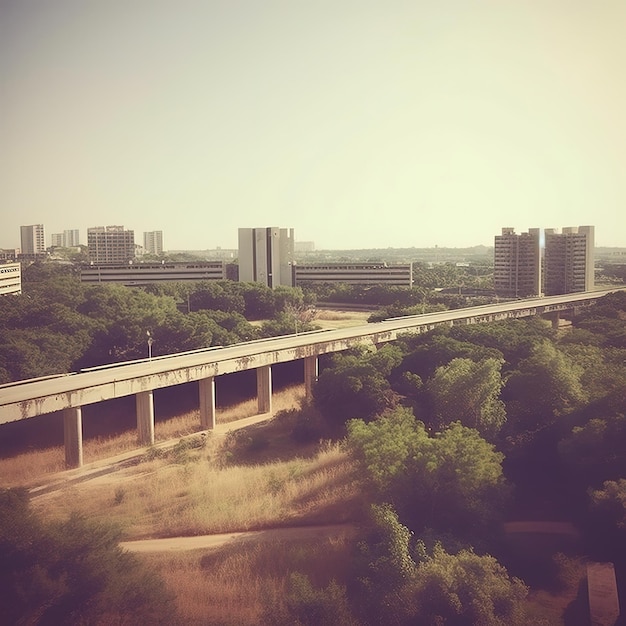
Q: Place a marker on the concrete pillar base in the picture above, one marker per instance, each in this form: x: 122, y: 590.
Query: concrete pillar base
x: 311, y: 372
x: 264, y: 389
x: 145, y: 418
x: 207, y: 403
x: 73, y: 437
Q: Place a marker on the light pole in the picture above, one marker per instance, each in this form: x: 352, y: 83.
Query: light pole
x: 150, y: 342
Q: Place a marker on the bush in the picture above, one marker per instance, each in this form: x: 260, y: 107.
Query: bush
x: 306, y: 605
x: 72, y: 572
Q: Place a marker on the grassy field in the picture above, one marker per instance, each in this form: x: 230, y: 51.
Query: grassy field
x: 227, y: 484
x: 194, y: 491
x: 237, y: 584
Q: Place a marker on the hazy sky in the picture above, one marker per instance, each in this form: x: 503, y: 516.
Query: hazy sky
x: 359, y: 124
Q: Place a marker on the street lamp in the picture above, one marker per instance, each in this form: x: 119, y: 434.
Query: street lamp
x: 150, y: 342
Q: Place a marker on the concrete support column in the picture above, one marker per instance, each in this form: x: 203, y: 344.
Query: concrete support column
x: 311, y: 372
x: 555, y: 317
x: 145, y: 418
x: 73, y: 436
x: 207, y: 403
x: 264, y: 388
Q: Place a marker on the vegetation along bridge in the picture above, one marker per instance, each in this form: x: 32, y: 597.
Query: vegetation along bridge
x: 70, y: 392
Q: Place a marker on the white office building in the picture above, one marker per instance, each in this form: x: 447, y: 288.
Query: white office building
x: 32, y: 239
x: 266, y: 256
x: 10, y: 278
x: 153, y: 242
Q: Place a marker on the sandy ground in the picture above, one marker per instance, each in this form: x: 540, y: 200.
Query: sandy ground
x: 176, y: 544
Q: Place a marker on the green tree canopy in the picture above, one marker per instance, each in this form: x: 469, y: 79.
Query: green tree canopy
x: 401, y: 583
x: 514, y: 339
x: 465, y: 588
x: 355, y: 385
x: 428, y: 352
x: 469, y: 392
x: 450, y: 481
x: 595, y: 452
x: 546, y: 385
x: 72, y: 572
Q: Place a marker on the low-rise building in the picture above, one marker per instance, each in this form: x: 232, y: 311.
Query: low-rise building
x: 397, y: 274
x: 132, y: 274
x: 10, y: 278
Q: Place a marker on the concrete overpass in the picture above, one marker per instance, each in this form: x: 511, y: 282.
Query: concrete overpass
x: 70, y: 392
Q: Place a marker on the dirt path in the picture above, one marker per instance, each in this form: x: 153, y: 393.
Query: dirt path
x: 177, y: 544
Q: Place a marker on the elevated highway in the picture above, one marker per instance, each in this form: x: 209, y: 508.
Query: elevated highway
x: 70, y: 392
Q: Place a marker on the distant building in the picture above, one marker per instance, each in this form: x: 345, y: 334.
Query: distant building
x: 71, y: 238
x: 110, y: 244
x: 569, y: 260
x: 131, y: 274
x: 397, y: 274
x: 66, y: 239
x: 304, y: 246
x: 153, y: 242
x: 10, y: 278
x: 9, y: 254
x: 517, y: 263
x: 32, y: 240
x: 266, y: 256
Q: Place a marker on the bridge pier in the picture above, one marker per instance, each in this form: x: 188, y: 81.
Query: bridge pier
x: 264, y: 388
x: 145, y: 417
x: 311, y: 372
x: 554, y: 317
x: 207, y: 403
x: 73, y: 437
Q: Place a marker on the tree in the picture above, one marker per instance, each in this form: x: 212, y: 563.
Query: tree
x: 353, y: 386
x: 72, y: 572
x: 514, y: 339
x: 451, y: 481
x: 595, y: 452
x: 465, y: 588
x: 289, y: 322
x: 606, y: 526
x: 216, y: 296
x: 306, y: 605
x: 429, y: 352
x: 469, y: 392
x: 546, y: 385
x: 382, y: 566
x: 400, y: 583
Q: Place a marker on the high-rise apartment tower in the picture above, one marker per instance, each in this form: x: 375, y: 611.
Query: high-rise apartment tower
x: 266, y: 256
x: 153, y: 242
x: 110, y: 244
x: 32, y: 239
x: 569, y: 260
x: 517, y: 263
x: 66, y: 239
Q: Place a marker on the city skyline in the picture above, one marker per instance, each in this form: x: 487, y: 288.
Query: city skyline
x: 408, y: 124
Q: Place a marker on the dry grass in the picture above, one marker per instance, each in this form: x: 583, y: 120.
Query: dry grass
x: 196, y: 491
x: 328, y: 319
x: 196, y: 496
x: 234, y: 585
x: 26, y: 469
